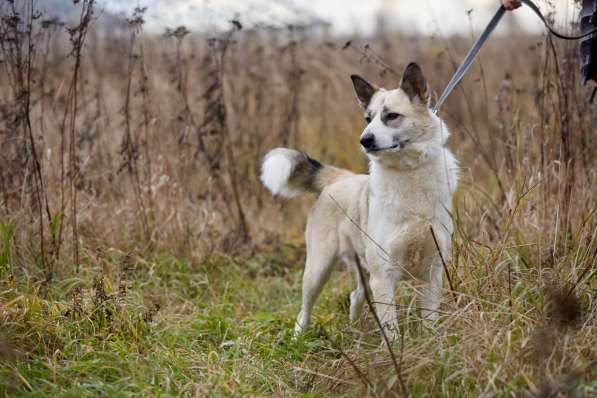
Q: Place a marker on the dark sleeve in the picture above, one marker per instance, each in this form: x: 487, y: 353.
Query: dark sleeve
x: 588, y: 45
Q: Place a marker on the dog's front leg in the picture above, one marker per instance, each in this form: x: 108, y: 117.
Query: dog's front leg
x: 383, y: 287
x: 430, y: 294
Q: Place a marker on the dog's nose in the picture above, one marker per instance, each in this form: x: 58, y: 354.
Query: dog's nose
x: 367, y: 140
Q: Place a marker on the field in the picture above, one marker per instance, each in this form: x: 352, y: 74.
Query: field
x: 141, y: 256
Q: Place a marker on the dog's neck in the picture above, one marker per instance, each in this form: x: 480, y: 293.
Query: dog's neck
x: 409, y: 159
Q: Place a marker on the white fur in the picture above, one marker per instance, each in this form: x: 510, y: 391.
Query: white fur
x: 276, y: 170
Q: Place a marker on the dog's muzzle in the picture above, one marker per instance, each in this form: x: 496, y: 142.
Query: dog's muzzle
x: 368, y: 141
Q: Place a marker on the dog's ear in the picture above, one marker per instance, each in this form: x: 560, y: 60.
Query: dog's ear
x: 414, y: 84
x: 363, y: 89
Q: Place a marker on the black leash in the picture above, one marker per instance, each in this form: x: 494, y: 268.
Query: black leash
x: 533, y: 6
x: 472, y: 54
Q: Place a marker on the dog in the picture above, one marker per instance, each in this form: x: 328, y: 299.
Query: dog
x: 384, y: 220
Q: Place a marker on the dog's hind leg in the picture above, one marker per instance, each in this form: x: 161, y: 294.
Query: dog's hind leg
x: 318, y: 266
x: 357, y: 296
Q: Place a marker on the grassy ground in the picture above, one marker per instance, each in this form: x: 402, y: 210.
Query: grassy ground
x: 154, y: 325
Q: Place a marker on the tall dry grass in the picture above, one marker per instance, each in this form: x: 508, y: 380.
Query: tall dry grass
x: 114, y: 138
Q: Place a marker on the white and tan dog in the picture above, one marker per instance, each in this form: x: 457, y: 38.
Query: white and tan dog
x: 409, y: 189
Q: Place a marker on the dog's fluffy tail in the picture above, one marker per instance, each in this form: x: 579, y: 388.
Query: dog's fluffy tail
x: 287, y: 173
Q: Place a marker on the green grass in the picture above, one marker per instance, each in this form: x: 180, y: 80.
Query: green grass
x: 223, y: 326
x: 154, y: 325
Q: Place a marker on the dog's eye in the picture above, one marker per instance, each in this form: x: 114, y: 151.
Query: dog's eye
x: 368, y: 119
x: 392, y: 116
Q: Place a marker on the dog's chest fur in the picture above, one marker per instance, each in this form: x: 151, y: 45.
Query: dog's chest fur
x: 403, y: 205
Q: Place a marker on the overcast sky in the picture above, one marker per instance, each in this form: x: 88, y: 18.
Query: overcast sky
x: 345, y: 16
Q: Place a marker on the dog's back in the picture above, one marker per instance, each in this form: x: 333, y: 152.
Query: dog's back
x: 341, y: 208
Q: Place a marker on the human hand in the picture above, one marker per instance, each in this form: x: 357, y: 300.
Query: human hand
x: 511, y: 4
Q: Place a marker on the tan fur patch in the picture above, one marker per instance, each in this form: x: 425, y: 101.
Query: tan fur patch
x: 329, y: 175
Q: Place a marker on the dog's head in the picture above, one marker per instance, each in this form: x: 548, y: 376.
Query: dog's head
x: 399, y: 121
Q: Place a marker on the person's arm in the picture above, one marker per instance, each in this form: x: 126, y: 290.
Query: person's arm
x: 511, y: 4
